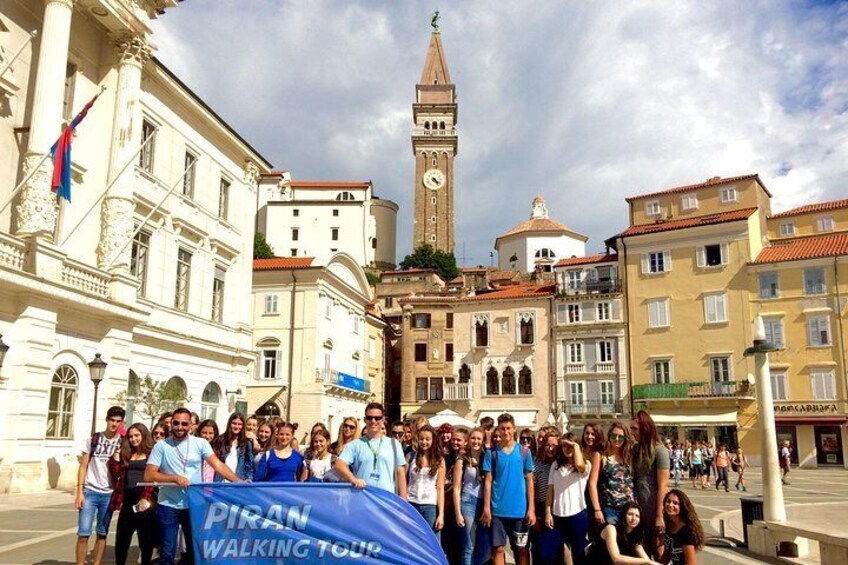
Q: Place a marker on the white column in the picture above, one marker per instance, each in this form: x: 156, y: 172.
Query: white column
x: 36, y: 213
x: 116, y: 217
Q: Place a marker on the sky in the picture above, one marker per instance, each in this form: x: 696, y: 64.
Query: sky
x: 584, y: 103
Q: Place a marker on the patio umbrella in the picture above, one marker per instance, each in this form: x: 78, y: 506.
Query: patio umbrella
x: 448, y: 416
x: 562, y: 422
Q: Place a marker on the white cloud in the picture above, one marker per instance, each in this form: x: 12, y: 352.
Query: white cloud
x: 585, y: 103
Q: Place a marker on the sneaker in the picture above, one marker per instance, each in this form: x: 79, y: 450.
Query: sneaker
x: 716, y: 487
x: 744, y: 489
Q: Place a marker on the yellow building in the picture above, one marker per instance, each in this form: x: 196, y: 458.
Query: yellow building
x: 684, y: 259
x: 799, y: 285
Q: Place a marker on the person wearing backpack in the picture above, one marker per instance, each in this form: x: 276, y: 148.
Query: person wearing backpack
x: 95, y: 486
x: 508, y: 495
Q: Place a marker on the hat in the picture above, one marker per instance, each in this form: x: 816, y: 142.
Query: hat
x: 444, y: 428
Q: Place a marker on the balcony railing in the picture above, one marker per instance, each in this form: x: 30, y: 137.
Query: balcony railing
x: 605, y: 367
x: 591, y: 287
x: 592, y: 407
x: 333, y: 377
x: 719, y: 389
x: 435, y: 132
x: 458, y: 391
x: 574, y: 368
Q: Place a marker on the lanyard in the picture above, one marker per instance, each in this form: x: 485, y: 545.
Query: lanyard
x: 375, y: 452
x: 183, y: 460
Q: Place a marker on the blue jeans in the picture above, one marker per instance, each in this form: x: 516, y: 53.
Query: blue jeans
x: 170, y: 520
x: 474, y: 543
x: 95, y: 506
x: 430, y: 512
x: 612, y: 515
x: 573, y: 530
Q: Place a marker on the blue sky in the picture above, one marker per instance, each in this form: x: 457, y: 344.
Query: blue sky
x: 583, y: 103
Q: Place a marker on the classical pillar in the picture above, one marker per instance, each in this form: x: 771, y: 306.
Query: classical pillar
x: 36, y: 213
x: 116, y: 215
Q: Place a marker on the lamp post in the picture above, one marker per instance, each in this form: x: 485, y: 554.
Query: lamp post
x: 96, y: 369
x: 773, y: 507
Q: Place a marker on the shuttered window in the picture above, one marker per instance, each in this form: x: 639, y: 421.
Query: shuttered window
x: 818, y: 330
x: 824, y: 385
x: 658, y: 314
x: 656, y: 262
x: 715, y: 308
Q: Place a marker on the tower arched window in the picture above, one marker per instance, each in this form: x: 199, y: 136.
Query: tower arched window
x: 525, y: 380
x: 465, y: 374
x: 427, y: 125
x: 481, y: 331
x: 508, y: 381
x: 209, y: 402
x: 441, y: 125
x: 526, y: 334
x: 63, y: 398
x: 345, y: 196
x: 492, y: 387
x: 545, y: 253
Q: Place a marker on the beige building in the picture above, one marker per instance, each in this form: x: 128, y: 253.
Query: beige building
x: 311, y: 330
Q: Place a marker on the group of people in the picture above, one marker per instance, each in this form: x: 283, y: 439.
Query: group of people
x: 703, y: 459
x: 554, y: 498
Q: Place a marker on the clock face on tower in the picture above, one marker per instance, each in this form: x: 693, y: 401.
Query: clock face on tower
x: 434, y: 179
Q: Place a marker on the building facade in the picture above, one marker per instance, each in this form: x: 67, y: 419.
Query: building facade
x: 164, y: 298
x: 590, y: 340
x: 435, y: 146
x: 319, y: 219
x: 312, y: 336
x: 538, y: 243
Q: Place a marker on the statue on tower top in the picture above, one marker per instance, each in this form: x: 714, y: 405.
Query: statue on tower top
x: 434, y: 21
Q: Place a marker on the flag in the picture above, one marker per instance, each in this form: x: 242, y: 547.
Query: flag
x: 61, y: 152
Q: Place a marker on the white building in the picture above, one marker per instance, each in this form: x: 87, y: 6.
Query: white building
x: 319, y: 219
x: 310, y: 323
x: 538, y: 242
x: 174, y: 303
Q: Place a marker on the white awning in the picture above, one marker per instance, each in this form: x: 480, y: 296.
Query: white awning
x: 695, y: 420
x: 523, y: 418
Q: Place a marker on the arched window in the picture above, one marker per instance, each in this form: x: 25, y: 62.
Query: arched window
x: 525, y: 329
x: 465, y: 374
x: 177, y: 391
x: 209, y: 402
x: 481, y: 331
x: 269, y: 353
x: 545, y: 253
x: 426, y: 125
x: 346, y: 196
x: 492, y: 381
x: 508, y: 381
x: 442, y: 125
x: 60, y: 410
x: 525, y: 380
x: 133, y: 391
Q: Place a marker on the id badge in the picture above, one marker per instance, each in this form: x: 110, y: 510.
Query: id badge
x: 374, y: 477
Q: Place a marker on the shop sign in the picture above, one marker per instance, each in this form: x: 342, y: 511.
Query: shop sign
x: 806, y: 409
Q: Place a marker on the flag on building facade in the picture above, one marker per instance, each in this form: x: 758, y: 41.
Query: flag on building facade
x: 61, y: 152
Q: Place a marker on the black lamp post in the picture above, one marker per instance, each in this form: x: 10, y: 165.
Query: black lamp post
x: 96, y: 369
x: 3, y: 349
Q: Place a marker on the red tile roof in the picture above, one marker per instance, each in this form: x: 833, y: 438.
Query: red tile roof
x: 599, y: 258
x: 282, y: 263
x: 540, y: 225
x: 708, y: 220
x: 715, y: 181
x: 328, y: 184
x: 514, y: 292
x: 814, y: 247
x: 810, y: 208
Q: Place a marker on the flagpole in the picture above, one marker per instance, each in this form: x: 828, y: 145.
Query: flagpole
x: 146, y: 218
x: 8, y: 65
x: 129, y: 162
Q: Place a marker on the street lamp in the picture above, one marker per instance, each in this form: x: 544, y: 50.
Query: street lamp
x: 96, y: 369
x: 3, y: 349
x: 773, y: 506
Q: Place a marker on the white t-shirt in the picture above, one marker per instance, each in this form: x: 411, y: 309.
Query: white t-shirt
x: 422, y: 487
x: 97, y: 475
x: 568, y: 487
x: 319, y: 467
x: 232, y: 458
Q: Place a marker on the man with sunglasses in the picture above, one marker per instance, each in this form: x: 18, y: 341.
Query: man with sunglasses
x: 178, y: 460
x: 374, y: 460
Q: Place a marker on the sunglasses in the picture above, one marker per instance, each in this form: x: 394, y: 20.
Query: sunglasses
x: 526, y: 439
x: 178, y: 424
x: 158, y: 434
x: 398, y: 434
x: 348, y: 426
x: 373, y: 418
x: 618, y: 437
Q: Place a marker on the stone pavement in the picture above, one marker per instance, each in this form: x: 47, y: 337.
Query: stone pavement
x: 41, y: 528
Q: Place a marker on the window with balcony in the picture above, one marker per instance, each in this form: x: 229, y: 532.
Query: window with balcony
x: 492, y: 382
x: 449, y: 320
x: 437, y: 388
x: 574, y: 360
x: 508, y: 381
x: 181, y: 291
x: 769, y: 286
x: 774, y: 330
x: 823, y: 384
x: 605, y: 354
x: 656, y: 262
x: 420, y: 352
x: 787, y: 229
x: 728, y: 195
x: 720, y: 370
x: 574, y: 279
x: 190, y: 168
x: 713, y: 255
x: 661, y: 369
x: 715, y: 308
x: 689, y: 202
x: 464, y: 374
x: 526, y: 334
x: 814, y: 281
x: 574, y: 313
x: 271, y: 304
x: 421, y: 321
x: 481, y: 331
x: 818, y: 330
x: 652, y: 208
x: 218, y: 294
x: 824, y: 224
x: 603, y: 311
x: 448, y: 352
x: 779, y: 386
x: 145, y: 157
x: 139, y: 258
x: 658, y: 313
x: 224, y: 199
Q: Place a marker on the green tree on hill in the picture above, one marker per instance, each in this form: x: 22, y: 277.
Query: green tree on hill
x: 425, y: 257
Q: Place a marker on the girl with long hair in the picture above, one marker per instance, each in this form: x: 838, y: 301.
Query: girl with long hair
x: 235, y: 449
x: 281, y: 462
x: 545, y: 543
x: 565, y: 504
x: 264, y: 435
x: 426, y: 480
x: 136, y: 503
x: 739, y: 463
x: 348, y: 431
x: 591, y: 440
x: 319, y: 460
x: 251, y: 426
x: 208, y: 430
x: 622, y: 544
x: 651, y: 471
x: 612, y: 472
x: 683, y: 533
x: 468, y: 498
x: 160, y: 431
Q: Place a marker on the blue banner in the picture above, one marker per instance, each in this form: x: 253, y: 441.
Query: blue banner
x: 351, y: 382
x: 307, y: 523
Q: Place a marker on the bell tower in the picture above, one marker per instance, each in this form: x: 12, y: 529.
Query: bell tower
x: 434, y: 145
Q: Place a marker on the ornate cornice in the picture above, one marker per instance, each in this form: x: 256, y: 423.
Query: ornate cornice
x: 132, y: 48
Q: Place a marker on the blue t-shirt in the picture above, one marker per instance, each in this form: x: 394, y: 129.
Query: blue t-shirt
x: 184, y: 458
x: 360, y: 456
x: 273, y: 469
x: 509, y: 489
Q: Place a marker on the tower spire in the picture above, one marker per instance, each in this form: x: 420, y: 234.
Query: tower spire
x: 436, y: 64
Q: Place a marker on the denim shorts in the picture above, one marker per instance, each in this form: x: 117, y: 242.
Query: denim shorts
x: 95, y: 506
x: 512, y: 530
x: 612, y: 515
